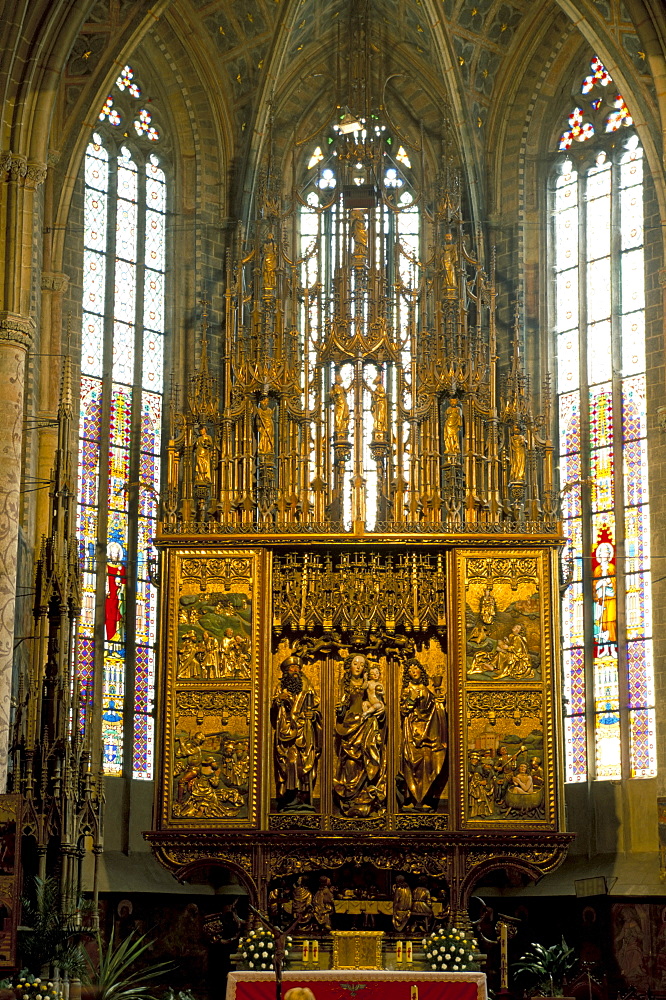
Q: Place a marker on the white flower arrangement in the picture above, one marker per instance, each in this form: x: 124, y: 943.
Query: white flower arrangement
x: 257, y: 949
x: 450, y: 951
x: 29, y: 987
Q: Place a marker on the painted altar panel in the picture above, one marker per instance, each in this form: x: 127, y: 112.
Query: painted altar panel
x: 505, y: 675
x: 212, y: 672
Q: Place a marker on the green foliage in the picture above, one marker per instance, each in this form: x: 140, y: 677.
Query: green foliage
x: 546, y: 968
x: 119, y: 970
x: 50, y: 937
x: 172, y: 994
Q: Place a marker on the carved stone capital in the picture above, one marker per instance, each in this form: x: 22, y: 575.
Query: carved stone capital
x: 36, y: 174
x: 53, y: 281
x: 17, y: 167
x: 18, y: 330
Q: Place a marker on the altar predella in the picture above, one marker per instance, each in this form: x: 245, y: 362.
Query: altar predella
x: 359, y: 540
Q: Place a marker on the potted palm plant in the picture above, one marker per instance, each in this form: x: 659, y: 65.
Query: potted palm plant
x: 119, y: 971
x: 49, y: 938
x: 542, y: 971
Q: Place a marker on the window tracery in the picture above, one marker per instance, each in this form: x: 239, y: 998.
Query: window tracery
x: 599, y: 322
x: 122, y: 350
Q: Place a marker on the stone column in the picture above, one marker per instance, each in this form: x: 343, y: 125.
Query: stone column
x: 15, y: 338
x: 19, y: 179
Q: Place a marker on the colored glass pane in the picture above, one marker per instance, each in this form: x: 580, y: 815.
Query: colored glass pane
x: 109, y: 113
x: 153, y: 307
x: 123, y: 353
x: 94, y: 277
x: 637, y: 541
x: 124, y: 306
x: 109, y: 330
x: 127, y: 82
x: 598, y: 303
x: 620, y: 116
x: 642, y: 743
x: 155, y: 240
x: 566, y: 230
x: 94, y: 235
x: 143, y: 126
x: 633, y: 280
x: 633, y: 343
x: 599, y: 75
x: 569, y: 407
x: 566, y: 301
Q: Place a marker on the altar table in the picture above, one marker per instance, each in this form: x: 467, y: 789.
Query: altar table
x: 362, y: 984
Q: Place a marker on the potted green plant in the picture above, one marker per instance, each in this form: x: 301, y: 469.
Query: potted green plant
x: 119, y: 971
x: 50, y: 939
x: 542, y: 971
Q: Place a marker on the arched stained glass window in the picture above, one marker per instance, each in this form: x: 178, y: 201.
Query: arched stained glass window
x: 598, y: 316
x: 123, y: 325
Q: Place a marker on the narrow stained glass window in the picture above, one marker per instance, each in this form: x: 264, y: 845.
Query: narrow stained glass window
x: 599, y: 327
x: 122, y: 350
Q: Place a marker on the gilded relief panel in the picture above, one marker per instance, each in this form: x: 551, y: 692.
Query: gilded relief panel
x: 504, y: 632
x: 213, y: 670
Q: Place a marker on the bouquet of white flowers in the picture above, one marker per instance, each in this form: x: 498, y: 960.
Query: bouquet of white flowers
x: 450, y: 951
x: 257, y: 950
x: 29, y: 987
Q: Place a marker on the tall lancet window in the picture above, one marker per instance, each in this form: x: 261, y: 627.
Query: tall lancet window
x: 360, y: 218
x: 125, y: 198
x: 598, y: 316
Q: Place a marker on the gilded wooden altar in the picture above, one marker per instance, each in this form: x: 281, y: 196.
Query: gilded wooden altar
x: 359, y: 537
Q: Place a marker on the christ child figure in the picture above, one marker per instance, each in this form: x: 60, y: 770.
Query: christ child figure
x: 373, y: 693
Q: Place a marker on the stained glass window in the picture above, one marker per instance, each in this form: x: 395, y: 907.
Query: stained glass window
x: 122, y: 349
x: 599, y: 326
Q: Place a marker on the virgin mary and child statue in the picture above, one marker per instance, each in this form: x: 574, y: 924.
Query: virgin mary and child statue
x: 359, y: 780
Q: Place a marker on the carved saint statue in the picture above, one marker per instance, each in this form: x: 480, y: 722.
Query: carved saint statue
x: 424, y: 735
x: 517, y: 454
x: 450, y: 262
x: 402, y: 903
x: 301, y: 903
x: 359, y: 778
x: 265, y: 428
x: 452, y: 425
x: 202, y: 457
x: 488, y: 605
x: 379, y: 409
x: 340, y: 407
x: 296, y: 723
x: 323, y: 903
x: 269, y: 269
x: 359, y: 234
x: 422, y: 909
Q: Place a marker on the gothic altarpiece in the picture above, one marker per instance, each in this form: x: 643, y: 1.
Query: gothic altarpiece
x: 359, y: 543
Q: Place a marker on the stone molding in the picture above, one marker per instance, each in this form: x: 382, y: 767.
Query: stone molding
x: 54, y: 281
x: 18, y: 168
x: 17, y: 330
